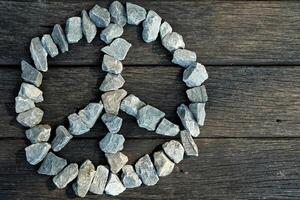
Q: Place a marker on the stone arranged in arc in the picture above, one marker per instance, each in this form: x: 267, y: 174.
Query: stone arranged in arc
x: 62, y: 138
x: 35, y: 153
x: 31, y: 74
x: 31, y: 92
x: 52, y: 165
x: 148, y: 117
x: 39, y: 54
x: 59, y: 38
x: 187, y: 120
x: 49, y: 45
x: 23, y: 104
x: 100, y: 16
x: 67, y: 175
x: 117, y: 13
x: 116, y: 161
x: 114, y: 186
x: 112, y: 143
x: 100, y: 178
x: 30, y: 118
x: 39, y: 133
x: 146, y: 171
x: 89, y: 29
x: 112, y: 122
x: 174, y: 150
x: 117, y: 49
x: 73, y: 30
x: 188, y: 143
x: 130, y: 178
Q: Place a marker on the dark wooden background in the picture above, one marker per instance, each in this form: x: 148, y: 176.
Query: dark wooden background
x: 250, y: 145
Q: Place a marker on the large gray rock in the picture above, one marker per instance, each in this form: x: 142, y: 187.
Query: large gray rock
x: 188, y: 143
x: 173, y: 41
x: 111, y: 100
x: 117, y: 13
x: 112, y: 143
x: 100, y: 178
x: 184, y: 57
x: 100, y: 16
x: 39, y: 54
x: 111, y: 32
x: 49, y: 45
x: 167, y: 128
x: 39, y: 133
x: 31, y: 92
x: 146, y: 171
x: 30, y: 118
x: 30, y: 74
x: 195, y: 75
x: 188, y: 121
x: 59, y: 38
x: 63, y: 178
x: 23, y: 104
x: 73, y: 30
x: 131, y: 104
x: 148, y: 117
x: 112, y: 82
x: 62, y: 138
x: 89, y: 29
x: 90, y: 114
x: 164, y: 166
x: 112, y: 122
x: 117, y: 49
x: 114, y: 186
x: 52, y: 165
x: 130, y: 178
x: 135, y: 13
x: 111, y: 65
x: 35, y: 153
x: 174, y: 150
x: 197, y: 94
x: 116, y: 161
x: 151, y: 26
x: 164, y: 29
x: 77, y: 126
x: 198, y: 110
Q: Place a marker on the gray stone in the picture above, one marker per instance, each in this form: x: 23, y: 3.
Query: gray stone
x: 49, y: 45
x: 111, y: 65
x: 39, y: 54
x: 146, y: 171
x: 130, y: 178
x: 111, y: 100
x: 195, y: 75
x: 114, y: 186
x: 84, y: 179
x: 39, y: 133
x: 59, y: 38
x: 151, y: 26
x: 118, y: 13
x: 35, y: 153
x: 90, y: 114
x: 148, y: 117
x: 164, y: 29
x: 164, y: 166
x: 89, y: 29
x: 99, y: 182
x: 111, y: 32
x: 30, y: 118
x: 62, y: 138
x: 197, y: 94
x: 73, y: 30
x: 188, y: 143
x: 112, y: 143
x: 117, y: 49
x: 52, y: 165
x: 174, y: 150
x: 184, y: 57
x: 116, y: 161
x: 23, y: 104
x: 167, y: 128
x: 31, y: 92
x: 112, y: 122
x: 131, y: 104
x: 63, y: 178
x: 112, y: 82
x: 135, y: 14
x: 173, y: 41
x: 77, y: 126
x: 100, y: 16
x: 30, y: 74
x: 187, y: 120
x: 198, y: 110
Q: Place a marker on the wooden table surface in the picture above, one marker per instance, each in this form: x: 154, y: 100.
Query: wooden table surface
x: 250, y: 145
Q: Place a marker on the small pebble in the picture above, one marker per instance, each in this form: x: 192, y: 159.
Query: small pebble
x: 117, y: 13
x: 130, y: 178
x: 167, y: 128
x: 151, y: 26
x: 164, y: 166
x: 35, y: 153
x: 112, y: 143
x: 30, y: 118
x: 111, y: 65
x: 114, y: 186
x: 198, y: 110
x: 184, y: 57
x: 164, y: 29
x: 187, y: 120
x: 135, y: 14
x: 174, y: 150
x: 112, y: 122
x: 30, y: 74
x: 148, y: 117
x: 89, y: 29
x: 31, y: 92
x: 146, y: 171
x: 116, y: 161
x: 117, y: 49
x: 195, y: 75
x: 62, y: 138
x: 100, y: 16
x: 49, y: 45
x: 99, y: 182
x: 111, y: 100
x: 77, y: 126
x: 188, y: 143
x: 90, y: 114
x: 197, y: 94
x: 112, y: 82
x: 52, y: 165
x: 173, y: 41
x: 39, y: 133
x: 73, y: 30
x: 111, y: 32
x: 23, y: 104
x: 131, y: 104
x: 59, y: 38
x: 63, y: 178
x: 39, y: 54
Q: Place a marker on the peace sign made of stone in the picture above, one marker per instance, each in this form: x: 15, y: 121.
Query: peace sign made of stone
x: 119, y: 176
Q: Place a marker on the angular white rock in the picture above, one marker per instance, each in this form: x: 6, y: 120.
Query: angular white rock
x: 197, y: 94
x: 100, y: 16
x: 117, y: 49
x: 146, y: 171
x: 188, y: 143
x: 73, y: 30
x: 30, y: 118
x: 151, y: 26
x: 49, y: 45
x: 195, y: 75
x: 114, y: 186
x: 112, y: 122
x: 99, y: 182
x: 52, y: 165
x: 174, y: 150
x: 89, y: 29
x: 63, y: 178
x: 23, y: 104
x: 135, y: 14
x: 173, y: 41
x: 198, y: 110
x: 111, y: 100
x: 112, y: 143
x: 188, y: 121
x: 30, y: 74
x: 131, y: 104
x: 164, y: 29
x: 111, y: 32
x: 59, y: 38
x: 91, y: 113
x: 62, y: 138
x: 39, y: 133
x: 112, y: 82
x: 167, y: 128
x: 35, y: 153
x: 117, y: 13
x: 31, y: 92
x: 77, y: 126
x: 111, y: 65
x: 130, y: 178
x: 164, y: 166
x: 39, y: 54
x: 148, y: 117
x: 116, y: 161
x: 184, y: 57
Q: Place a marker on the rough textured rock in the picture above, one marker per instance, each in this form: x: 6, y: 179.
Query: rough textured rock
x: 184, y: 57
x: 73, y: 30
x: 49, y: 45
x: 167, y: 128
x: 164, y: 29
x: 198, y: 110
x: 111, y: 100
x: 91, y: 113
x: 174, y: 150
x: 151, y: 26
x: 39, y: 133
x: 62, y: 138
x: 117, y: 49
x: 195, y: 75
x: 164, y: 166
x: 30, y: 74
x: 116, y: 161
x: 77, y: 126
x: 197, y: 94
x: 148, y: 117
x: 131, y: 104
x: 114, y: 186
x: 23, y: 104
x: 135, y: 14
x: 59, y: 38
x: 117, y: 13
x: 35, y: 153
x: 100, y: 178
x: 112, y: 82
x: 146, y: 171
x: 52, y: 165
x: 112, y: 122
x: 112, y: 143
x: 111, y: 65
x: 188, y: 143
x: 130, y: 178
x: 100, y: 16
x: 187, y: 120
x: 39, y: 54
x: 89, y: 29
x: 63, y: 178
x: 111, y: 32
x: 173, y: 41
x: 31, y: 92
x: 30, y: 118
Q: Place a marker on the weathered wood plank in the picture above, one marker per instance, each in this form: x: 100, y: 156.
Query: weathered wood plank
x: 243, y: 101
x: 221, y: 32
